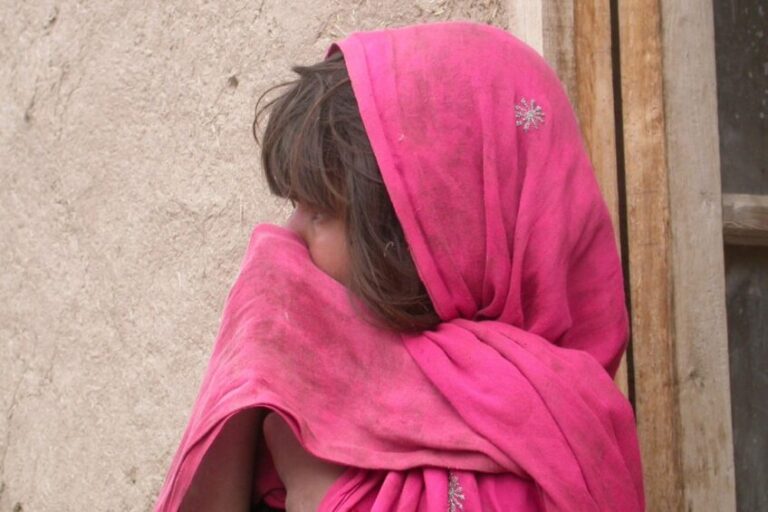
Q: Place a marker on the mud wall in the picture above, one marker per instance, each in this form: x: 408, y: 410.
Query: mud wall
x: 128, y: 185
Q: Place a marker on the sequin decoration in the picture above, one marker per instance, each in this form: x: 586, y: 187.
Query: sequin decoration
x: 455, y: 493
x: 528, y: 115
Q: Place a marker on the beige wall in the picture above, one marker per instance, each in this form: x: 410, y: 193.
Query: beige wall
x: 128, y: 186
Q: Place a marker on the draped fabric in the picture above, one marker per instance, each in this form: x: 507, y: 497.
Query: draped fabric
x: 509, y: 402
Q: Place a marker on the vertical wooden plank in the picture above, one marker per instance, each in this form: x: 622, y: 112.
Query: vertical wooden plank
x: 595, y: 106
x: 595, y: 99
x: 559, y: 48
x: 701, y: 339
x: 650, y: 251
x: 526, y: 22
x: 547, y: 26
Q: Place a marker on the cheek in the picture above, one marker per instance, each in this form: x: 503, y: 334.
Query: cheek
x: 329, y: 253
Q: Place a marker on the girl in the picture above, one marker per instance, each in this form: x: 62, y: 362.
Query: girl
x: 437, y: 325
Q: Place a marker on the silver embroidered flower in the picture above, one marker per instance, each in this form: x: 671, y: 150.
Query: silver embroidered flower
x: 455, y: 493
x: 528, y: 115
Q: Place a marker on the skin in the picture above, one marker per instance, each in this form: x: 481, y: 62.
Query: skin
x: 307, y: 478
x: 224, y: 480
x: 325, y: 236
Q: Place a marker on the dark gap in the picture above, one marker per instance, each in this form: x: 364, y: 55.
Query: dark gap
x: 621, y: 180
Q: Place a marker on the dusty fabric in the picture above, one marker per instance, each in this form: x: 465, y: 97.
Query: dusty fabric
x: 509, y: 402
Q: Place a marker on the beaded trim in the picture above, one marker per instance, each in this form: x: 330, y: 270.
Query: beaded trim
x: 529, y: 115
x: 455, y: 493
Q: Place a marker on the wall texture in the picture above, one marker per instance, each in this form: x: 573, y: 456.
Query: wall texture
x: 129, y: 183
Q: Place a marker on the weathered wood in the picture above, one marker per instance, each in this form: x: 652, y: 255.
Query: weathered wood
x: 745, y: 219
x: 593, y: 68
x: 701, y: 338
x: 650, y: 252
x: 746, y: 278
x: 526, y: 22
x: 547, y: 26
x: 559, y: 48
x: 594, y: 94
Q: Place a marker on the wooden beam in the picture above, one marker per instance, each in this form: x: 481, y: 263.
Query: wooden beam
x: 745, y: 219
x: 594, y: 94
x: 650, y: 252
x: 594, y: 98
x: 526, y: 22
x: 676, y: 258
x: 701, y: 337
x: 547, y: 26
x: 559, y: 48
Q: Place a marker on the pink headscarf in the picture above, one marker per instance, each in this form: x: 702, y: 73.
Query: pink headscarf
x: 509, y: 402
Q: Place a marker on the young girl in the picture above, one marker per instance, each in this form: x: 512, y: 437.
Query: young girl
x: 437, y: 325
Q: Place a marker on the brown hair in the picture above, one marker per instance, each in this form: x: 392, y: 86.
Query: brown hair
x: 315, y: 150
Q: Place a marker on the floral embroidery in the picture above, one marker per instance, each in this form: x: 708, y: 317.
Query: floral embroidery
x: 528, y: 115
x: 455, y: 493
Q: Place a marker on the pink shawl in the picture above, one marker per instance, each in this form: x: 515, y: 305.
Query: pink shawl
x: 509, y: 403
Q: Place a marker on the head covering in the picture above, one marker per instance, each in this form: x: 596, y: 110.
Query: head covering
x: 482, y: 158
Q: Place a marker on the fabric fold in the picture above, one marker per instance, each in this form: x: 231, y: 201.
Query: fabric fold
x: 472, y: 396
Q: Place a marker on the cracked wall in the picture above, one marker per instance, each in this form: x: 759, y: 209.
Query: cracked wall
x: 128, y: 187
